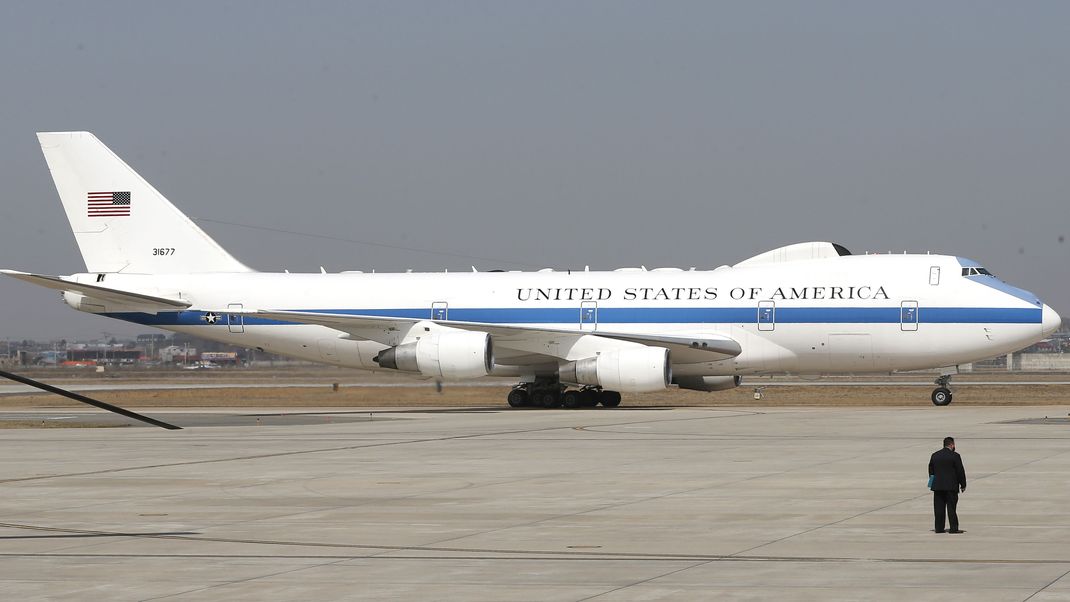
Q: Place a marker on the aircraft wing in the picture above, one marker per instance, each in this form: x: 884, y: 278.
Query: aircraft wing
x: 552, y: 342
x: 136, y: 301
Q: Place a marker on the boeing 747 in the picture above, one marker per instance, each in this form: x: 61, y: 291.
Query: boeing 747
x: 569, y: 337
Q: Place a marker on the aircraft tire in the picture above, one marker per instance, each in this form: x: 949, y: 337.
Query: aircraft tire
x: 941, y: 396
x: 590, y: 399
x: 572, y: 399
x: 549, y: 399
x: 609, y: 399
x: 518, y: 398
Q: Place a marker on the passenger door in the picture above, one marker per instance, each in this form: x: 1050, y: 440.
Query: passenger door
x: 235, y: 321
x: 589, y: 315
x: 908, y: 316
x: 440, y: 310
x: 766, y: 315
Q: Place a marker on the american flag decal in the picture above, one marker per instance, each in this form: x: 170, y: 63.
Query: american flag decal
x: 108, y: 204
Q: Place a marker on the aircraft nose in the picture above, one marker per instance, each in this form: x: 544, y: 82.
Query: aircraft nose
x: 1050, y: 320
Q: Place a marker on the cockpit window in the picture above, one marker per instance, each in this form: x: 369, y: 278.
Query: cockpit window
x: 975, y: 272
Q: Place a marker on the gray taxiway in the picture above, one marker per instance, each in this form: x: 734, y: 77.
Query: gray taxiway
x: 675, y: 504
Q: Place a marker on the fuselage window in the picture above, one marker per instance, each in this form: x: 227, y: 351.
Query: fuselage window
x: 975, y: 272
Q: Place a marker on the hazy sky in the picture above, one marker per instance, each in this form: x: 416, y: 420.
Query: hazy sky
x: 548, y: 133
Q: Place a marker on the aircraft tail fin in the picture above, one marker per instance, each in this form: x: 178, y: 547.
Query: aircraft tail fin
x: 122, y: 223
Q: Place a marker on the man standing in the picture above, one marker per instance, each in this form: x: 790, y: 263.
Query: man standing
x: 948, y: 478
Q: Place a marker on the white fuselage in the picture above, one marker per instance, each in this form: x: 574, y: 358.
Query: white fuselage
x: 851, y: 314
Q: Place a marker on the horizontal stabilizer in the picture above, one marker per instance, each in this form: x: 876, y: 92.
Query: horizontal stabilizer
x: 126, y: 298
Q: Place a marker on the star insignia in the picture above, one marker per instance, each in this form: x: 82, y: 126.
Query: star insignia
x: 211, y: 317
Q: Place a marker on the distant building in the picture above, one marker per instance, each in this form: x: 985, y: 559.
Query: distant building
x: 50, y: 357
x: 175, y: 354
x: 223, y: 358
x: 151, y: 338
x: 101, y: 355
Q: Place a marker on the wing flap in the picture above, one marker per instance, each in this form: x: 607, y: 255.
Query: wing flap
x: 558, y: 343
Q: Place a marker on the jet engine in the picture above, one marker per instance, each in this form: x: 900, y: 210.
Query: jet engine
x: 448, y: 355
x: 82, y: 303
x: 623, y: 370
x: 707, y: 383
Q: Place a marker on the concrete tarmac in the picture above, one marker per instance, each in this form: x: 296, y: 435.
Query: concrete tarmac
x: 626, y: 504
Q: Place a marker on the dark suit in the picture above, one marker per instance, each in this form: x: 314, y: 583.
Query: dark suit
x: 948, y: 477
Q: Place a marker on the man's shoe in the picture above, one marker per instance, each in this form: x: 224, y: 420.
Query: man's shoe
x: 956, y: 531
x: 940, y: 531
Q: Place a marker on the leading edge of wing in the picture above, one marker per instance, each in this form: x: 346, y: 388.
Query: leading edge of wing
x: 114, y: 295
x: 697, y: 348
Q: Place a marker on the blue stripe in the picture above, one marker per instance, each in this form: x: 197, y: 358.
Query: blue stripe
x: 980, y: 315
x: 999, y: 285
x: 1003, y: 287
x: 646, y: 315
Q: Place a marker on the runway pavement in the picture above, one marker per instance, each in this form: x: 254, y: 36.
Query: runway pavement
x: 626, y: 504
x: 9, y: 389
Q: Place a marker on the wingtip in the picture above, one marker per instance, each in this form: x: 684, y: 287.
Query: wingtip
x: 51, y: 139
x: 70, y: 133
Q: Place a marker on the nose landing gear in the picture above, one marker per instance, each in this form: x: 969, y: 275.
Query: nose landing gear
x: 942, y: 394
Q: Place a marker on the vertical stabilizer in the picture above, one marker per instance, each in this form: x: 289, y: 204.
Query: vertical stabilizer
x: 122, y: 223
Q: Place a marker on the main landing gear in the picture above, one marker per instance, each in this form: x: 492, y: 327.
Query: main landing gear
x: 942, y: 395
x: 550, y: 393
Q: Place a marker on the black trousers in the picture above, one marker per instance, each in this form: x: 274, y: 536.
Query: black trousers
x: 946, y: 501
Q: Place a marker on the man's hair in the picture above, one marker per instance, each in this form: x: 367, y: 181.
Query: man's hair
x: 948, y: 441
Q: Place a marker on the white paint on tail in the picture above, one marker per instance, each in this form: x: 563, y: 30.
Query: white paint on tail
x: 146, y: 236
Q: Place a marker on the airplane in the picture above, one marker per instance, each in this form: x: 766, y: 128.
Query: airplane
x: 570, y: 338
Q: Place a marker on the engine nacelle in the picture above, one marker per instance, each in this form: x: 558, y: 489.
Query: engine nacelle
x: 448, y: 355
x: 622, y: 370
x: 707, y: 383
